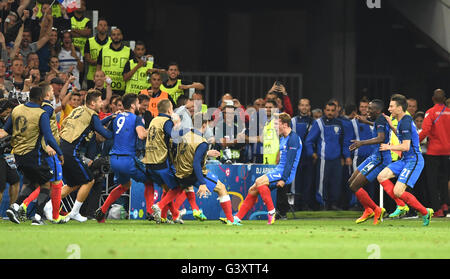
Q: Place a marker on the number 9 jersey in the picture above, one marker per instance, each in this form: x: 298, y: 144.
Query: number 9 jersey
x: 125, y: 136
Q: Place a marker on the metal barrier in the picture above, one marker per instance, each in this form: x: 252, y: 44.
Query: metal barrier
x: 247, y: 87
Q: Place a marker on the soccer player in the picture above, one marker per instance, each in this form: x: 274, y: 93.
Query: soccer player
x: 127, y: 128
x: 157, y: 155
x: 368, y: 170
x: 284, y: 173
x: 190, y: 169
x: 28, y: 124
x: 410, y: 166
x: 77, y: 129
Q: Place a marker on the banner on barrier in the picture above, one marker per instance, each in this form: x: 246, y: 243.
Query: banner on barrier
x: 238, y: 178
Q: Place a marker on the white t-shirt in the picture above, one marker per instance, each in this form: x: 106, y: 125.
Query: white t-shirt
x: 66, y: 61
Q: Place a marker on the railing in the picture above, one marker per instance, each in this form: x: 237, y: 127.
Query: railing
x: 375, y: 86
x: 246, y: 87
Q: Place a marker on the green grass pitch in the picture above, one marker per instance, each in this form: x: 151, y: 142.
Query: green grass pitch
x: 312, y: 236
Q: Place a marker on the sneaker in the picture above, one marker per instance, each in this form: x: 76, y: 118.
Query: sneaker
x: 270, y: 219
x: 99, y: 215
x: 77, y: 217
x: 36, y: 220
x: 22, y: 212
x: 378, y: 215
x: 444, y: 208
x: 178, y: 220
x: 198, y: 214
x: 60, y: 220
x: 399, y: 211
x: 182, y: 212
x: 368, y: 213
x: 236, y: 222
x: 150, y: 217
x: 427, y: 218
x: 156, y: 213
x: 224, y: 220
x: 13, y: 215
x: 48, y: 211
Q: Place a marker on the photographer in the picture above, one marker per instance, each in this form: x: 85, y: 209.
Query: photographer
x: 8, y: 168
x: 6, y: 86
x: 278, y: 90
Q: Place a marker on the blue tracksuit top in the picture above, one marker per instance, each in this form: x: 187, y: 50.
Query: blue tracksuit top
x: 326, y: 138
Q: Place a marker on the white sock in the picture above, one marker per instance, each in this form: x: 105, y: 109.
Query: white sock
x: 76, y: 207
x: 37, y: 217
x: 272, y: 211
x: 224, y: 198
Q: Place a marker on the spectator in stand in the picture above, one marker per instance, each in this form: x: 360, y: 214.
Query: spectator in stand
x: 199, y: 102
x: 230, y: 134
x: 412, y: 106
x: 48, y: 53
x: 70, y: 58
x: 102, y: 83
x: 32, y: 63
x: 435, y: 127
x: 6, y: 86
x: 279, y: 89
x: 17, y: 73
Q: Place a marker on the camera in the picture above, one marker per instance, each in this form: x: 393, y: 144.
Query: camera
x: 100, y: 167
x: 5, y: 145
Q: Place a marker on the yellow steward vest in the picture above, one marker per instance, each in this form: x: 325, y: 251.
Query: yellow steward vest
x: 79, y: 25
x: 174, y: 92
x: 139, y: 81
x: 271, y: 143
x: 94, y: 51
x: 113, y: 63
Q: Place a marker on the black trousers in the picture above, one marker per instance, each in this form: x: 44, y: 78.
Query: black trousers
x: 437, y: 168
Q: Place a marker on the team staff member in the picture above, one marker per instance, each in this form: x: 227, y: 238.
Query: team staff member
x: 409, y: 167
x: 77, y: 129
x: 301, y: 124
x: 112, y: 59
x: 175, y: 86
x: 435, y: 127
x: 324, y: 144
x: 156, y: 94
x: 81, y: 27
x: 270, y: 137
x: 93, y: 47
x: 28, y: 124
x: 137, y: 71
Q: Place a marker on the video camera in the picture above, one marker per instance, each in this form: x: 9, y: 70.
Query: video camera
x: 5, y: 145
x: 100, y: 167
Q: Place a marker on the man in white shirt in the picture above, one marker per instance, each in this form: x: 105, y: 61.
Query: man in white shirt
x: 70, y: 59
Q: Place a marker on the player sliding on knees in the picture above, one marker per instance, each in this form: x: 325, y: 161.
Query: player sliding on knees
x: 409, y: 167
x: 284, y: 173
x: 190, y: 169
x: 127, y: 127
x: 368, y: 170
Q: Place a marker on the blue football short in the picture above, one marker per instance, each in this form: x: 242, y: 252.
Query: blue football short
x: 408, y: 169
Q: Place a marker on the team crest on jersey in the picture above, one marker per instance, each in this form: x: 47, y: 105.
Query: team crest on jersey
x: 336, y: 130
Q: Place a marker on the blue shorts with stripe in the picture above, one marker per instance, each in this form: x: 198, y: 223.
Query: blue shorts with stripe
x: 164, y: 176
x: 372, y: 166
x: 75, y: 171
x: 55, y: 165
x: 408, y: 169
x: 275, y: 176
x: 127, y: 167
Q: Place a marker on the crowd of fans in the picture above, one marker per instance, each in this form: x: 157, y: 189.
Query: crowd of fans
x: 42, y: 42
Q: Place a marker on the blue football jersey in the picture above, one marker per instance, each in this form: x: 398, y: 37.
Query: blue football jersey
x: 125, y: 136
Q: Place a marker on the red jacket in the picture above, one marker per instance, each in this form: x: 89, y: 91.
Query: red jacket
x: 436, y: 126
